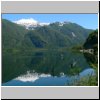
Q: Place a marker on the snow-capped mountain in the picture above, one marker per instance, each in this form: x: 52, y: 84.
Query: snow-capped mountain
x: 54, y: 35
x: 62, y: 23
x: 30, y: 23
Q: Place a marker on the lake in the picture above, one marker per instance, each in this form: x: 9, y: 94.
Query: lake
x: 44, y: 68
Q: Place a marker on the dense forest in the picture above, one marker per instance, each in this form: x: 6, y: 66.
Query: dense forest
x: 92, y: 42
x: 51, y: 36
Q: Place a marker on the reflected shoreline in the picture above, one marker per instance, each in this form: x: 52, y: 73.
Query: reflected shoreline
x: 49, y: 64
x: 34, y: 78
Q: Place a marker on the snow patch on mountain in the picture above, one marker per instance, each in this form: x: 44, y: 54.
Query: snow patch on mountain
x: 43, y: 24
x: 61, y: 23
x: 30, y: 23
x: 73, y: 34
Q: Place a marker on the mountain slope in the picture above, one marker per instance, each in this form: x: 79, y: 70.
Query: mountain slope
x: 54, y: 35
x: 12, y: 34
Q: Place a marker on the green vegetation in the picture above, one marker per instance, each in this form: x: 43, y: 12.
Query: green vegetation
x: 90, y: 80
x: 92, y: 43
x: 51, y: 36
x: 24, y: 50
x: 92, y: 40
x: 51, y: 62
x: 86, y: 81
x: 92, y: 59
x: 12, y: 35
x: 77, y: 48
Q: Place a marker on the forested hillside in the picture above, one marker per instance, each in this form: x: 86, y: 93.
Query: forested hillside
x: 54, y: 35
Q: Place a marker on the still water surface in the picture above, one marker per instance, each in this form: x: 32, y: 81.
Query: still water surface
x: 44, y: 68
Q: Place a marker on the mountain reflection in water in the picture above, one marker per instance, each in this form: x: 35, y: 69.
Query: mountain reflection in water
x: 49, y: 68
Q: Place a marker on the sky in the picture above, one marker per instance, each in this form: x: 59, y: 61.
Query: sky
x: 89, y: 21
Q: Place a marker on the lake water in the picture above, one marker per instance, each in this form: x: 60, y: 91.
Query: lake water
x: 43, y: 68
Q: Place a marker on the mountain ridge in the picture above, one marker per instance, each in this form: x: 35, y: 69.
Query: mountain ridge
x: 54, y: 35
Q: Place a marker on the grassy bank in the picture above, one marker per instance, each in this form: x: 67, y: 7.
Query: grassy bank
x: 91, y: 80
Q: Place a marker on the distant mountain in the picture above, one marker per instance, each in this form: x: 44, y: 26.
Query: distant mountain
x: 53, y: 35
